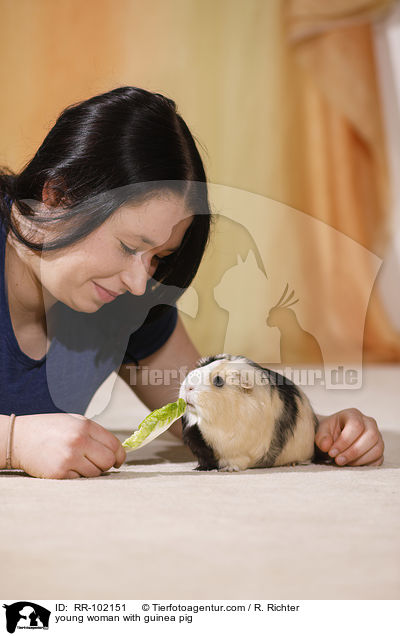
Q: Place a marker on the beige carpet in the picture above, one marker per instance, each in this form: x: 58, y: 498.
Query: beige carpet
x: 157, y: 529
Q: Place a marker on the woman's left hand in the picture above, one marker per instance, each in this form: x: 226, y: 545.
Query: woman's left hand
x: 352, y: 438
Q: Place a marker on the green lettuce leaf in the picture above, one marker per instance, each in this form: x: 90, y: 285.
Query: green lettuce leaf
x: 154, y: 424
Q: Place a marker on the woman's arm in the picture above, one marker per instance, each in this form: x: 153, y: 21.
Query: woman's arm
x: 351, y: 437
x: 159, y: 376
x: 60, y: 446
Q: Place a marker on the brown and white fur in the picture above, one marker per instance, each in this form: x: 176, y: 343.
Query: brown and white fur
x: 240, y: 415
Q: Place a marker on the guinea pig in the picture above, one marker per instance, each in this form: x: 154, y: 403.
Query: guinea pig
x: 240, y: 415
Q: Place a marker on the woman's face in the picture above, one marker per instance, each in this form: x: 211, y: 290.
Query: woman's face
x: 118, y: 257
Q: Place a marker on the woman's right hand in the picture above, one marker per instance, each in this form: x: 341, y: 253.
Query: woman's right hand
x: 64, y: 446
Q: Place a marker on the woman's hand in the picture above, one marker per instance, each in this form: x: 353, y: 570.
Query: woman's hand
x: 64, y: 446
x: 352, y: 438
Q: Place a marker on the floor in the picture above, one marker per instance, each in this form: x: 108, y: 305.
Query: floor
x: 157, y: 529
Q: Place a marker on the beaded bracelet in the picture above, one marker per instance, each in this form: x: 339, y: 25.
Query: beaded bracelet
x: 9, y: 441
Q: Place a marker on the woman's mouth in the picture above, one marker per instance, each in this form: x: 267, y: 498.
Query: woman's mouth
x: 104, y: 294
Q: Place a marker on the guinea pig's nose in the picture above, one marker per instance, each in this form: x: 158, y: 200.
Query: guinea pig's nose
x: 190, y: 395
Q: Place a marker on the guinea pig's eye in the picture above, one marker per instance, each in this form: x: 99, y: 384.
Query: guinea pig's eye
x: 218, y: 381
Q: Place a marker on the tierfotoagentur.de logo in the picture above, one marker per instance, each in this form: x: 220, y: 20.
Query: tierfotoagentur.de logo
x: 26, y: 615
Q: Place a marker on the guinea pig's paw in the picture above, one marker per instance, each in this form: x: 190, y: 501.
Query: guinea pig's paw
x: 298, y: 463
x: 229, y: 468
x: 206, y: 468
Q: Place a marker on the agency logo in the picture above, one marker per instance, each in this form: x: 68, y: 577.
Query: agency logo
x: 26, y: 615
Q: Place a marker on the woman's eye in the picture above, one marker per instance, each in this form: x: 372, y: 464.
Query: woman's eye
x: 128, y: 250
x: 131, y: 252
x: 218, y: 381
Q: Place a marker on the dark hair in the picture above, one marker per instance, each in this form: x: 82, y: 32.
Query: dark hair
x: 124, y: 145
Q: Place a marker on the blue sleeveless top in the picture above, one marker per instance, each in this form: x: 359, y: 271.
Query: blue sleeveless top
x: 85, y: 348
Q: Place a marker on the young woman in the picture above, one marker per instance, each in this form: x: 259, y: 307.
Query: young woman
x: 100, y: 234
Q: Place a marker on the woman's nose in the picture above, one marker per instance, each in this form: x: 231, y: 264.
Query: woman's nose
x: 136, y: 276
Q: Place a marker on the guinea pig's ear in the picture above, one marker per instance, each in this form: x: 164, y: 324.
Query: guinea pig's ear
x: 243, y: 378
x: 247, y: 380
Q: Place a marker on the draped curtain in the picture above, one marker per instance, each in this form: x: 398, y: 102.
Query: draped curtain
x: 345, y: 151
